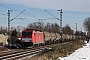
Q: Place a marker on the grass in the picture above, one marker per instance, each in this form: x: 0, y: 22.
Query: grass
x: 60, y: 50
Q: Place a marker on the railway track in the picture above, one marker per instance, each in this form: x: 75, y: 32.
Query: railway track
x: 21, y: 53
x: 17, y: 54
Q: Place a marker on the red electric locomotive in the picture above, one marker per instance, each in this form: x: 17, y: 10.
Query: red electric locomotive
x: 32, y: 37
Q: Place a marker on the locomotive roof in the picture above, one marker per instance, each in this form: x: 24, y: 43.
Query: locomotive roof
x: 33, y: 30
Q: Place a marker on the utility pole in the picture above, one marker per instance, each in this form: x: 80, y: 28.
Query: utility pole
x: 60, y: 22
x: 9, y: 23
x: 76, y: 28
x: 76, y: 31
x: 81, y: 34
x: 9, y: 26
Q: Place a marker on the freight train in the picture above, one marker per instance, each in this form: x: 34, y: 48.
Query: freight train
x: 32, y: 37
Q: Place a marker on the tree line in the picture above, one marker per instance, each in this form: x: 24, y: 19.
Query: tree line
x: 53, y: 27
x: 49, y: 27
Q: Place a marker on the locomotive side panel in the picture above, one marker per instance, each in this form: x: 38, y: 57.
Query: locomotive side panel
x: 39, y: 37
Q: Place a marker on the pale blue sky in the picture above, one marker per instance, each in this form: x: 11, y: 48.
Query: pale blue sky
x: 74, y: 11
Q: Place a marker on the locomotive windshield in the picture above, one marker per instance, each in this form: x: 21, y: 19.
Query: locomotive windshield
x: 26, y: 33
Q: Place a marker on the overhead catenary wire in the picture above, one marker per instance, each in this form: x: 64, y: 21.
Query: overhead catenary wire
x: 17, y: 11
x: 52, y: 15
x: 18, y: 15
x: 30, y: 7
x: 19, y: 3
x: 10, y: 8
x: 25, y: 13
x: 28, y: 14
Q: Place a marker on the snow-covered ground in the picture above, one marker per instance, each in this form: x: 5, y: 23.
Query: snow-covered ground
x: 80, y: 54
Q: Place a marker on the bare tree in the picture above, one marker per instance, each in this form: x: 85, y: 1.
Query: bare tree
x: 3, y: 29
x: 67, y: 30
x: 36, y: 26
x: 47, y: 27
x: 86, y: 25
x: 55, y: 28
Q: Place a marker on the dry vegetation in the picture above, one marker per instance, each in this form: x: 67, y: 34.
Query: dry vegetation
x: 60, y: 50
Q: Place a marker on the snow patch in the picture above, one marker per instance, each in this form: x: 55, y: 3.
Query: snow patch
x: 80, y: 54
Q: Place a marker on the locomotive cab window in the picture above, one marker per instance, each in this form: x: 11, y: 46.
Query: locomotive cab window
x: 26, y: 33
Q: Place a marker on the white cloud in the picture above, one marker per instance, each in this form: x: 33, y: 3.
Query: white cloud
x: 77, y: 5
